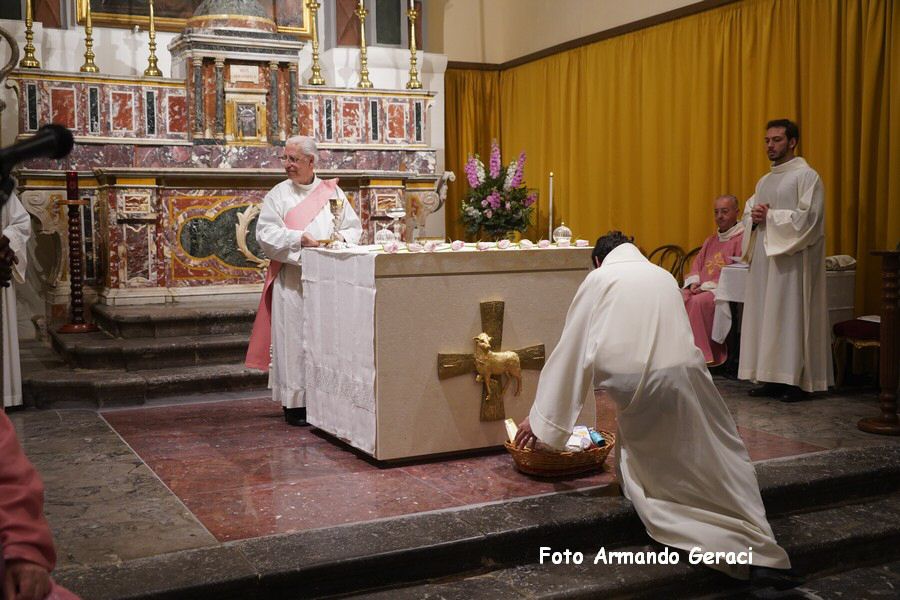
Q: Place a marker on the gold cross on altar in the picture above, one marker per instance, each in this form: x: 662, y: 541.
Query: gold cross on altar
x: 451, y: 365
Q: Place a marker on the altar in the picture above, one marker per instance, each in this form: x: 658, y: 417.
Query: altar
x: 376, y: 324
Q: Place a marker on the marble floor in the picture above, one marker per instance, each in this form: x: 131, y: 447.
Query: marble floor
x: 129, y: 483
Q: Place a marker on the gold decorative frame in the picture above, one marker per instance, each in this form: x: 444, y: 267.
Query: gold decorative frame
x: 103, y: 19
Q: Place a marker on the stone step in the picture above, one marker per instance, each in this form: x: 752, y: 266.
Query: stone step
x: 98, y: 350
x: 179, y: 319
x: 832, y: 510
x: 94, y: 388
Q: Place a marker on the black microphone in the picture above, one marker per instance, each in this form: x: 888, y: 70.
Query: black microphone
x: 51, y: 141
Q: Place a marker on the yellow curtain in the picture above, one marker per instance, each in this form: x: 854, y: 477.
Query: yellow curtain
x: 643, y: 130
x: 472, y: 120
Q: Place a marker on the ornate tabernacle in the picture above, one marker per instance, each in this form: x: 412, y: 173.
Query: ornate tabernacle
x: 172, y: 168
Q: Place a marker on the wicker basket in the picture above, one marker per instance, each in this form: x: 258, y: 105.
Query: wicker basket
x: 560, y: 464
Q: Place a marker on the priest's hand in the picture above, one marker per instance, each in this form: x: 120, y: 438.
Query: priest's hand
x: 7, y: 260
x: 759, y: 212
x: 695, y: 288
x: 524, y: 436
x: 308, y: 241
x: 25, y: 581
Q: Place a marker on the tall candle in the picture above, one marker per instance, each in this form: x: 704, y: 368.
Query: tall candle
x: 362, y: 4
x: 152, y: 24
x: 550, y: 228
x: 412, y: 4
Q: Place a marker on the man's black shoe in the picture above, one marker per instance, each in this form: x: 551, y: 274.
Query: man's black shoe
x: 767, y: 390
x: 295, y: 416
x: 780, y: 579
x: 791, y: 393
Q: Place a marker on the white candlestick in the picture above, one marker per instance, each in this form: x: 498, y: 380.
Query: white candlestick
x: 550, y: 227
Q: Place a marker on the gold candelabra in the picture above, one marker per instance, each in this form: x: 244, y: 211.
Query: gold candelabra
x: 152, y: 69
x: 316, y: 78
x: 29, y: 61
x: 88, y: 66
x: 413, y: 83
x: 361, y: 12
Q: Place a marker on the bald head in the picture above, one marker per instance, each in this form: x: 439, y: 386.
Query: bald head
x: 725, y: 210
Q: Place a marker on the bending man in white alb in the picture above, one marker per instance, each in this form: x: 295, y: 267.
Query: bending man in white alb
x: 295, y: 214
x: 680, y: 459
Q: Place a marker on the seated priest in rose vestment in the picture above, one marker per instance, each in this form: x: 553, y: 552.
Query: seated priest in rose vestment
x: 680, y: 459
x: 295, y: 214
x: 26, y: 544
x: 718, y: 250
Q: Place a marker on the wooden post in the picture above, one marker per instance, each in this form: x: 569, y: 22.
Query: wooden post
x: 76, y: 259
x: 889, y: 365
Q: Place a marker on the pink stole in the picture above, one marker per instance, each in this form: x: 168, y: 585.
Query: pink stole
x: 297, y: 218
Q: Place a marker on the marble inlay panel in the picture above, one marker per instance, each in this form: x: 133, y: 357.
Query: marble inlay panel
x: 122, y: 111
x: 177, y: 116
x: 351, y: 121
x: 85, y: 157
x: 199, y: 237
x: 63, y: 107
x: 138, y: 248
x: 305, y: 117
x: 32, y: 109
x: 396, y: 121
x: 94, y: 109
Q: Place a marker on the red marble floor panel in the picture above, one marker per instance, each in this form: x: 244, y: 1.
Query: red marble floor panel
x: 311, y: 503
x: 245, y: 473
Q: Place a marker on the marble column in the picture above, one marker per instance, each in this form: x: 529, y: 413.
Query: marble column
x: 220, y: 97
x: 198, y: 96
x: 273, y: 109
x: 295, y: 117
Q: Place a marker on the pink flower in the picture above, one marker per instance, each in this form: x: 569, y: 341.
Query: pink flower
x: 457, y: 245
x: 495, y: 159
x: 391, y: 247
x: 483, y: 245
x: 474, y: 172
x: 414, y: 247
x: 503, y: 244
x: 431, y: 246
x: 508, y: 206
x: 544, y: 244
x: 484, y: 202
x: 581, y: 243
x: 488, y: 213
x: 530, y: 199
x: 520, y: 171
x: 526, y: 244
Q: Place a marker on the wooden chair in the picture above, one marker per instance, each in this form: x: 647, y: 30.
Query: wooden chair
x: 668, y: 257
x: 854, y: 334
x: 685, y: 267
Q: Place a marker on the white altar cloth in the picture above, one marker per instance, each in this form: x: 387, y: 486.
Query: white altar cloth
x: 839, y: 293
x: 375, y: 323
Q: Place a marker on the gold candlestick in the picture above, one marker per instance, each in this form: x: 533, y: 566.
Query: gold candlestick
x: 413, y: 83
x: 316, y: 78
x: 361, y: 12
x: 152, y: 70
x: 88, y: 66
x: 29, y: 61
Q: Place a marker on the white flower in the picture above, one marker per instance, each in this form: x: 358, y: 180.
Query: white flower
x: 414, y: 247
x: 483, y: 245
x: 391, y: 247
x: 510, y: 174
x: 526, y: 244
x: 503, y: 244
x: 544, y: 244
x: 479, y: 171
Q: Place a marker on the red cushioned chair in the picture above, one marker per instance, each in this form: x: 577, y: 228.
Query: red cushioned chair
x: 857, y: 334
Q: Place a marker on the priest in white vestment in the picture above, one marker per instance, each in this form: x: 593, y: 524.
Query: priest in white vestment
x: 16, y: 226
x: 785, y: 342
x: 680, y: 459
x: 282, y: 231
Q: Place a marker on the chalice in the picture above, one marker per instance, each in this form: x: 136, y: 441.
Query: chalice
x: 336, y: 205
x: 396, y: 212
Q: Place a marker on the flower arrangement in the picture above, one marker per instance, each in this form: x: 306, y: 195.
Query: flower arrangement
x: 497, y: 202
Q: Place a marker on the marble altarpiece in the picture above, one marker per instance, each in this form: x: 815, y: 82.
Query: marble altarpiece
x: 175, y: 167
